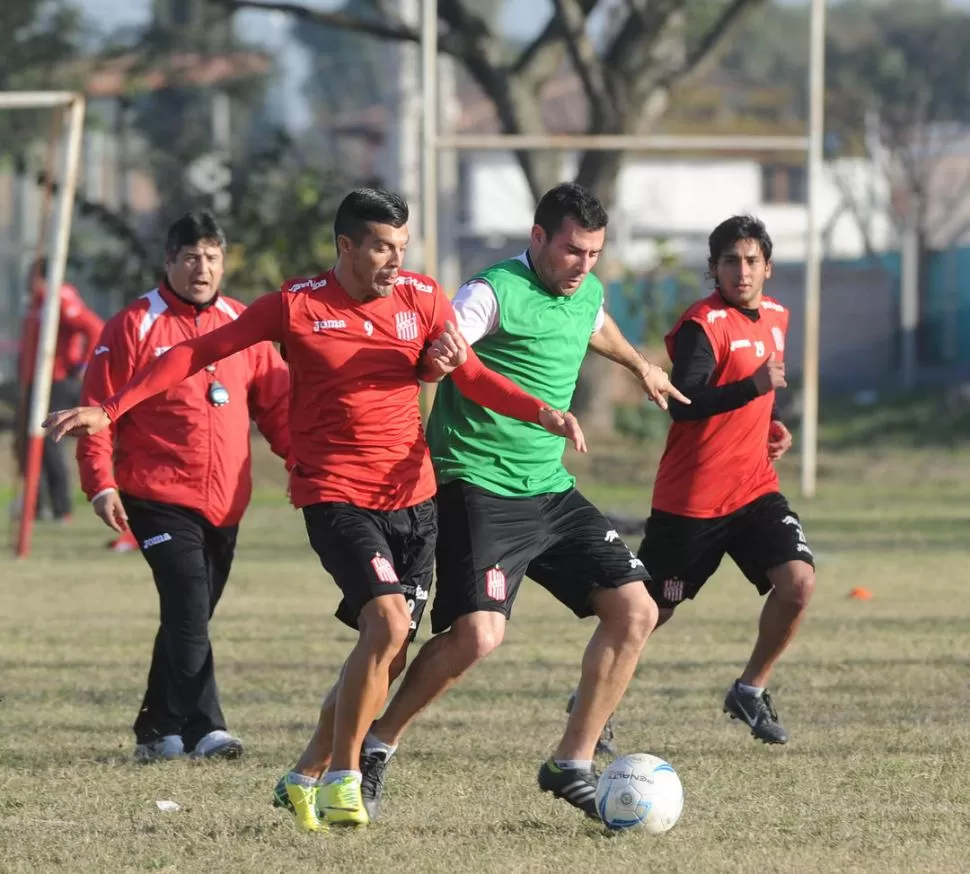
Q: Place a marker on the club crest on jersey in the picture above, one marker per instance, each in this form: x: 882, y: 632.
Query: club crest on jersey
x: 407, y: 325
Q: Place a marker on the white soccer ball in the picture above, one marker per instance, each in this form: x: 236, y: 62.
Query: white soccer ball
x: 640, y: 789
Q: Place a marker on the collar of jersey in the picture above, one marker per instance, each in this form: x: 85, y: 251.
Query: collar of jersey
x: 179, y: 305
x: 753, y: 314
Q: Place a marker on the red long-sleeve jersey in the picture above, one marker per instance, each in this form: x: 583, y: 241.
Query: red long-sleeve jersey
x: 354, y: 414
x: 178, y: 447
x: 77, y: 331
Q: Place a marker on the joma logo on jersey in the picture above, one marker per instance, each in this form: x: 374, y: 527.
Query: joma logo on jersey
x: 406, y: 325
x: 311, y: 284
x: 714, y: 315
x: 328, y: 325
x: 161, y: 350
x: 415, y: 283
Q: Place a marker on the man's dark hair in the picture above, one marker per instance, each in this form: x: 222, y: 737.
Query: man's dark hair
x: 735, y: 229
x: 570, y: 200
x: 191, y: 229
x: 364, y: 206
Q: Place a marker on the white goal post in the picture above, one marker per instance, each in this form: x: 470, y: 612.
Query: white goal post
x: 434, y: 141
x: 73, y: 106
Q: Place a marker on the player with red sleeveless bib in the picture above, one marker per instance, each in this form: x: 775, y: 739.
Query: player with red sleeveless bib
x: 717, y: 492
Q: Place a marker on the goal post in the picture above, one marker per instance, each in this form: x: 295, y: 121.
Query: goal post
x: 73, y: 106
x: 811, y: 144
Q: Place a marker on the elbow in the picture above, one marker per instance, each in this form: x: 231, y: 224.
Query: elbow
x: 680, y: 412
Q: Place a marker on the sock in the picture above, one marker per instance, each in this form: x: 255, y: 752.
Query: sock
x: 574, y: 764
x: 374, y: 744
x: 750, y: 690
x: 294, y: 778
x: 334, y: 776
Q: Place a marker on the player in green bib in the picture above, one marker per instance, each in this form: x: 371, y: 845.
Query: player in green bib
x: 507, y: 507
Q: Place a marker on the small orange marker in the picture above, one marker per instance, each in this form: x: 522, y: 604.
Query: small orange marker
x: 861, y: 594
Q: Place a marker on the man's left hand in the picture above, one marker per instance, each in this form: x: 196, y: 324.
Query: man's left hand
x: 658, y: 387
x: 779, y: 440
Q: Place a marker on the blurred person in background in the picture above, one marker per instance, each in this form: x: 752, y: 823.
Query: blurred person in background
x: 77, y: 333
x: 176, y: 472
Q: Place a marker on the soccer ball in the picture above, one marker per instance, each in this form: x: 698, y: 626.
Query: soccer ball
x: 640, y: 789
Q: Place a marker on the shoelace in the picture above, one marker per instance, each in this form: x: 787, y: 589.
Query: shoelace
x: 372, y: 770
x: 769, y: 706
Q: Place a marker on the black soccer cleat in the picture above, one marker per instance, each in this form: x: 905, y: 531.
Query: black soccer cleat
x: 575, y: 785
x: 372, y: 769
x: 758, y: 713
x: 604, y: 746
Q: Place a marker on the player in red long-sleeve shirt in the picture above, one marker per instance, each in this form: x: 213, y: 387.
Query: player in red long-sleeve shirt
x: 77, y: 332
x: 356, y: 338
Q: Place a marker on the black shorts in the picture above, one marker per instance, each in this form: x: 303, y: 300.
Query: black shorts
x: 375, y: 552
x: 487, y: 543
x: 682, y: 553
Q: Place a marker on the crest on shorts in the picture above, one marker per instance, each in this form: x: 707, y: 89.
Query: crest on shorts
x: 495, y: 584
x: 383, y: 569
x: 674, y: 590
x: 407, y: 325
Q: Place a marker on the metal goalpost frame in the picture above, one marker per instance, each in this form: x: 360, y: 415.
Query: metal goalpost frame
x: 73, y: 106
x: 434, y: 141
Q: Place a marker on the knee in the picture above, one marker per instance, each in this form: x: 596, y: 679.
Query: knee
x: 796, y: 586
x: 385, y: 624
x: 477, y: 635
x: 629, y: 613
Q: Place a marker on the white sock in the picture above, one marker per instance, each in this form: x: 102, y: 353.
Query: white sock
x: 374, y: 744
x: 574, y: 764
x: 294, y: 778
x: 334, y: 776
x: 750, y: 690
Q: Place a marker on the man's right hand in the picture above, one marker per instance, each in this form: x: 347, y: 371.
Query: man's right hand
x: 111, y: 511
x: 770, y: 376
x: 76, y: 422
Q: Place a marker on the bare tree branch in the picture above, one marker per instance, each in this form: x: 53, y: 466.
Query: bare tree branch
x: 589, y: 68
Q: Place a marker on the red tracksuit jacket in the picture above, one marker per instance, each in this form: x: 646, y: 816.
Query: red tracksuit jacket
x: 178, y: 447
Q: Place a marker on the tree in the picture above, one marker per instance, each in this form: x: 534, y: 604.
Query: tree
x: 627, y: 78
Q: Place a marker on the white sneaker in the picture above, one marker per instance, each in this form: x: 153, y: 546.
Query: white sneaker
x: 218, y: 744
x: 168, y: 747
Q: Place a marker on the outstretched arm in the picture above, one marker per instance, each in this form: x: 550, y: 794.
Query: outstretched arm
x: 608, y: 341
x: 262, y: 321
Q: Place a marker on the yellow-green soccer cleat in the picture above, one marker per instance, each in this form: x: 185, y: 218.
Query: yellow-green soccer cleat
x: 302, y: 803
x: 340, y: 803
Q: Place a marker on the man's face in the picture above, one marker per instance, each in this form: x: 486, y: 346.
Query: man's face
x: 740, y: 272
x: 195, y: 273
x: 376, y: 260
x: 566, y: 258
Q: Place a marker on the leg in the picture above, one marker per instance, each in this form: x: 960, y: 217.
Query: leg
x: 176, y: 555
x: 770, y: 548
x: 591, y: 570
x: 627, y: 615
x: 55, y: 463
x: 792, y: 585
x: 205, y: 731
x: 362, y: 689
x: 436, y: 668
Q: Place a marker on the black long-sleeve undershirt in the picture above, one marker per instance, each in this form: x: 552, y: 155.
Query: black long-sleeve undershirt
x: 694, y: 365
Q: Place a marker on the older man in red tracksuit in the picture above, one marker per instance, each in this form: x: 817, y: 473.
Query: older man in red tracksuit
x: 177, y: 472
x: 78, y: 329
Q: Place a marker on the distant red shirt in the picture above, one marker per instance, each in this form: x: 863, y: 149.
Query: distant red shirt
x: 77, y: 332
x: 355, y: 419
x: 712, y: 467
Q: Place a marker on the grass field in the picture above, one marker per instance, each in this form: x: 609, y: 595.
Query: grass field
x: 875, y: 695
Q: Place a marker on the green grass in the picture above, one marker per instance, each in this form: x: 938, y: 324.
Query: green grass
x: 874, y: 694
